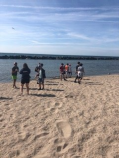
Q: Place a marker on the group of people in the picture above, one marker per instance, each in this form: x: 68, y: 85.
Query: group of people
x: 25, y: 78
x: 65, y: 72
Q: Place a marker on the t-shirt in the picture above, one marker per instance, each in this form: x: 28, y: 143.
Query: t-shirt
x: 77, y: 67
x: 15, y: 69
x: 81, y: 69
x: 25, y: 73
x: 70, y: 70
x: 66, y: 67
x: 40, y: 74
x: 61, y: 68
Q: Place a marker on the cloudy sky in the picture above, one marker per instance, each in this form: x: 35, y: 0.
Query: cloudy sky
x: 70, y: 27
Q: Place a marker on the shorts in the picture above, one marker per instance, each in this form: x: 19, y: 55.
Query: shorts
x: 80, y: 74
x: 66, y: 72
x: 41, y: 80
x: 62, y: 73
x: 14, y: 77
x: 26, y: 80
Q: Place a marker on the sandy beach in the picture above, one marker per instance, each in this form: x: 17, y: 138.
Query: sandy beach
x: 66, y: 120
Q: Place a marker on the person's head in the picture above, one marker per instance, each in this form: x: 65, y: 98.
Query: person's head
x: 25, y: 65
x: 15, y: 63
x: 67, y: 64
x: 81, y: 64
x: 78, y: 63
x: 41, y: 64
x: 62, y: 64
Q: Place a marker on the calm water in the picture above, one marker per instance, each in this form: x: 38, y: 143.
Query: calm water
x: 92, y: 67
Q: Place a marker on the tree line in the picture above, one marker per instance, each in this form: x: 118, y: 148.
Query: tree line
x: 60, y: 57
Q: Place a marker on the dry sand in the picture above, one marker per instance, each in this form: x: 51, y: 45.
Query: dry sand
x: 66, y: 120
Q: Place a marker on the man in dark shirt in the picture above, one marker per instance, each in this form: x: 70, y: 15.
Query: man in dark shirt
x: 25, y: 79
x: 15, y: 69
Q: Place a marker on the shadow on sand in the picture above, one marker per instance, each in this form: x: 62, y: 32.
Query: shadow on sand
x: 93, y: 83
x: 60, y: 90
x: 5, y: 98
x: 43, y: 95
x: 51, y: 84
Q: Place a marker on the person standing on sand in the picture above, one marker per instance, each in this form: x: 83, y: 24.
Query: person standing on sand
x: 62, y: 72
x: 41, y: 77
x: 66, y: 70
x: 25, y: 79
x: 80, y: 72
x: 70, y: 70
x: 37, y: 70
x: 76, y: 71
x: 15, y: 69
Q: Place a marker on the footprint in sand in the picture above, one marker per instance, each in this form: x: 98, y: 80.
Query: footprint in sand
x: 61, y: 145
x: 65, y: 129
x: 59, y: 105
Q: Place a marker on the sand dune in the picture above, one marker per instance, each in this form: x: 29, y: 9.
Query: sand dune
x: 66, y: 120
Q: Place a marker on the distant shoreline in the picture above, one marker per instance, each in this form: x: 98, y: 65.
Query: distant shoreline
x: 55, y: 57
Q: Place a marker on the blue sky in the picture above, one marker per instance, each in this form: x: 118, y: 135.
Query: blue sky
x: 69, y: 27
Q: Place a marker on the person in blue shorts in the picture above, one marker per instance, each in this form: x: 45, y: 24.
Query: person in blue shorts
x: 15, y: 69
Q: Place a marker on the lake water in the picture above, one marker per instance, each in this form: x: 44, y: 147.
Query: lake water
x: 92, y: 67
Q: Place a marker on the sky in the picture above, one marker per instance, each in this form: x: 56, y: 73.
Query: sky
x: 69, y: 27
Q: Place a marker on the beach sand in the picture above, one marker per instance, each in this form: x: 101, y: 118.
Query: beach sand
x: 66, y: 120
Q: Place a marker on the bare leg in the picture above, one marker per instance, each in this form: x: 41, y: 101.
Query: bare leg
x: 39, y: 86
x: 42, y: 85
x: 22, y: 85
x: 64, y: 77
x: 14, y: 83
x: 27, y: 88
x: 61, y: 77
